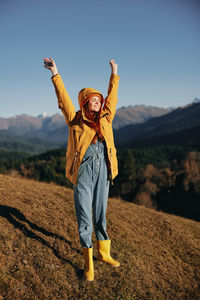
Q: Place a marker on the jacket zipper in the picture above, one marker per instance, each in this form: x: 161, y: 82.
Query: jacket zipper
x: 111, y: 169
x: 74, y: 162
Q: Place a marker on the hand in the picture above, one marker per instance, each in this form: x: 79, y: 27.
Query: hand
x: 51, y: 65
x: 114, y: 66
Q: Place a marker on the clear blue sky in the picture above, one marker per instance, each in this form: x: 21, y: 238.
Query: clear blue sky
x: 156, y: 44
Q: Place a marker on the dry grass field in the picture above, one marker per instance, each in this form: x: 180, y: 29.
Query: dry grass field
x: 40, y: 254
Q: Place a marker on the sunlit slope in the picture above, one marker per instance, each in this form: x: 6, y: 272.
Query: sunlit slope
x: 40, y: 254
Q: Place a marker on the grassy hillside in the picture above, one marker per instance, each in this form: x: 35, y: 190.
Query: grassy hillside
x: 40, y: 254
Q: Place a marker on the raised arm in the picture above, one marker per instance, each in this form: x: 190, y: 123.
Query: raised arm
x: 64, y: 101
x: 111, y: 99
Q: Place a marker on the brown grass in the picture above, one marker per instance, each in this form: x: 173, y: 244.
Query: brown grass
x: 40, y: 254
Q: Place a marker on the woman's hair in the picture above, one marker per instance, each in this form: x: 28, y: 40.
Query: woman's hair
x: 94, y: 116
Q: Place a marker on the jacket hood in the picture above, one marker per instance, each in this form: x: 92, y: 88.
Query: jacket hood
x: 84, y: 93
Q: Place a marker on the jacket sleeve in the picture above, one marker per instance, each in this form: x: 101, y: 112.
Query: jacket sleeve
x: 64, y: 101
x: 111, y: 99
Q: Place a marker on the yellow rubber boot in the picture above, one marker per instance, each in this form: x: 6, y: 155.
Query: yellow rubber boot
x: 104, y: 253
x: 89, y: 266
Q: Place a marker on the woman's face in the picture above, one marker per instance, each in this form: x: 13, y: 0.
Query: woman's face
x: 94, y: 104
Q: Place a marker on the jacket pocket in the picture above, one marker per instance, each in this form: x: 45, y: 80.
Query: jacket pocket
x: 77, y: 134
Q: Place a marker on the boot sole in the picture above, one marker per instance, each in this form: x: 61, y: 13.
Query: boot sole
x: 101, y: 262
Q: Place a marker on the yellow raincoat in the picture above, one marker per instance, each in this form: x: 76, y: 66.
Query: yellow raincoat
x: 80, y: 134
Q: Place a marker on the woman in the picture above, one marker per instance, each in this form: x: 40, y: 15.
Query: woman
x: 91, y: 160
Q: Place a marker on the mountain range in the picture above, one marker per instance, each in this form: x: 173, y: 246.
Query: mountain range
x: 23, y: 124
x: 51, y: 131
x: 177, y: 127
x: 134, y: 126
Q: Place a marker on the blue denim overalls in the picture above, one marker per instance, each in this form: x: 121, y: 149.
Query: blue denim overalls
x: 91, y: 192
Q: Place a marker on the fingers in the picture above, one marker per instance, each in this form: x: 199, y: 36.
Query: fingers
x: 47, y: 67
x: 46, y: 59
x: 48, y: 63
x: 52, y: 62
x: 112, y: 62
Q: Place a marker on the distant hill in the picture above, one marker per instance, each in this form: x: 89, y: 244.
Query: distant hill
x: 185, y: 138
x: 182, y: 118
x: 29, y: 126
x: 40, y: 253
x: 34, y: 145
x: 137, y: 114
x: 21, y: 124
